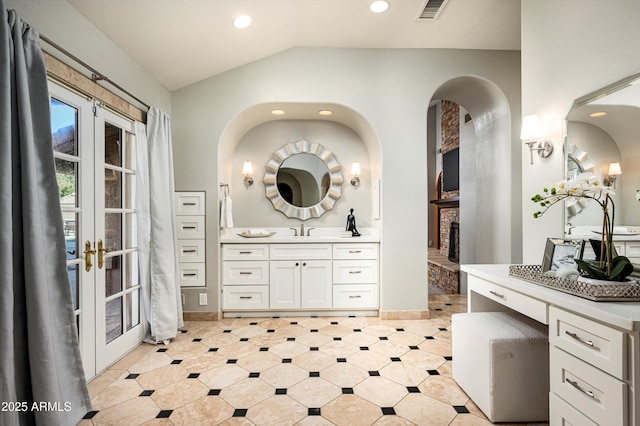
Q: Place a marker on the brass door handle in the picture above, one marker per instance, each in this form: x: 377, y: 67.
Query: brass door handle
x: 101, y: 251
x: 87, y: 256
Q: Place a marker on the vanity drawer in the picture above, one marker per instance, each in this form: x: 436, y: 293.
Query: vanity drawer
x: 526, y: 305
x: 632, y: 249
x: 563, y: 414
x: 355, y: 271
x: 245, y: 297
x: 355, y: 296
x: 599, y: 396
x: 245, y: 252
x: 189, y: 203
x: 192, y: 274
x: 245, y: 273
x: 190, y: 227
x: 299, y: 251
x: 355, y: 251
x: 590, y: 341
x: 191, y: 251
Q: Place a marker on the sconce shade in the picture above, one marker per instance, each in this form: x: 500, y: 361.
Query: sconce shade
x: 614, y: 169
x: 531, y: 128
x: 247, y: 168
x: 355, y: 169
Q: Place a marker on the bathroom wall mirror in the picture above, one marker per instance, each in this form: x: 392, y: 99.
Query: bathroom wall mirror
x: 303, y: 180
x: 602, y: 127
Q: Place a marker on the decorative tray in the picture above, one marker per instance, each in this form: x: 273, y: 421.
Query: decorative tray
x: 598, y: 291
x: 263, y: 235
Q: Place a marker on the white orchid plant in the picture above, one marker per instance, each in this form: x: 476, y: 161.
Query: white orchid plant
x: 586, y: 186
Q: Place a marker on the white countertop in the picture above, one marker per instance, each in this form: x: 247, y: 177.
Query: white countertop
x: 621, y: 233
x: 286, y: 236
x: 624, y: 315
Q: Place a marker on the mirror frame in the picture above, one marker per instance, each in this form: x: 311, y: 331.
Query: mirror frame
x: 271, y: 186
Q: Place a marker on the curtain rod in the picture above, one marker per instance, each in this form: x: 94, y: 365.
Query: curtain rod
x: 95, y: 74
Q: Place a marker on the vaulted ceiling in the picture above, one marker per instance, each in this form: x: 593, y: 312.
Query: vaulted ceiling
x: 180, y: 42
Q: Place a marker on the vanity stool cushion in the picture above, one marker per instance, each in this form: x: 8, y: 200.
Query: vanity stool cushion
x: 501, y: 360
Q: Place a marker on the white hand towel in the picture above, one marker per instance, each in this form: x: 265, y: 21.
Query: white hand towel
x: 226, y: 212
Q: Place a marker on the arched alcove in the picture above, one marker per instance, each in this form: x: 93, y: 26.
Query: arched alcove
x: 255, y: 133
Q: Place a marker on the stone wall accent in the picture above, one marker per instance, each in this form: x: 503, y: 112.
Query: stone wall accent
x: 446, y: 217
x: 450, y: 134
x: 450, y: 126
x: 445, y: 279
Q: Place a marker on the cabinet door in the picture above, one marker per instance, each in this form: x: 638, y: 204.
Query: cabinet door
x: 284, y: 285
x: 316, y: 284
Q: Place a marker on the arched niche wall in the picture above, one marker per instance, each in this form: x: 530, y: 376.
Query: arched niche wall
x: 261, y: 114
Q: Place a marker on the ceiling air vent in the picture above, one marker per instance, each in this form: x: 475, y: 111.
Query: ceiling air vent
x: 432, y: 9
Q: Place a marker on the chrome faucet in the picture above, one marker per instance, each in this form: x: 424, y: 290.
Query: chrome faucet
x: 302, y: 229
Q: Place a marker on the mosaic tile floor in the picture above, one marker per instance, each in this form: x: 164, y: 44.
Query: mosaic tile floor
x: 292, y: 371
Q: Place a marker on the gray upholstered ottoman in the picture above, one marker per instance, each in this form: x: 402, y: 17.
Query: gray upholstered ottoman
x: 501, y: 360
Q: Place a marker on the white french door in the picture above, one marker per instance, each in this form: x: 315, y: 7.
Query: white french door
x: 94, y: 151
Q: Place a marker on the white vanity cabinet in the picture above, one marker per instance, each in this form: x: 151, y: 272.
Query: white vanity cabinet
x: 245, y: 276
x: 630, y: 249
x: 594, y: 347
x: 299, y: 276
x: 355, y: 275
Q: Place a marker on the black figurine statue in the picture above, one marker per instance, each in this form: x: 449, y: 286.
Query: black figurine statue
x: 351, y: 224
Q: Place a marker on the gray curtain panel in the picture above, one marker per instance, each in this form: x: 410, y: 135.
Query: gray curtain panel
x: 164, y: 288
x: 39, y: 353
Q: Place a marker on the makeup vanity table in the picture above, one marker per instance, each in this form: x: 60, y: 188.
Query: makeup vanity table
x: 594, y: 347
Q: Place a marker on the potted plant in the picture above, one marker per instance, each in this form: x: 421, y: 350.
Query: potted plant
x: 587, y: 186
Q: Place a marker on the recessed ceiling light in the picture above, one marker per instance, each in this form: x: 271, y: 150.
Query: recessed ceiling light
x: 242, y: 21
x: 277, y: 112
x: 325, y: 112
x: 379, y: 6
x: 598, y: 114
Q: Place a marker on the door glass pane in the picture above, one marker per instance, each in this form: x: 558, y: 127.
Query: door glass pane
x: 113, y: 275
x: 64, y: 120
x: 132, y: 230
x: 133, y: 315
x: 72, y: 271
x: 114, y: 319
x: 130, y: 191
x: 130, y: 151
x: 70, y: 220
x: 112, y: 145
x: 132, y: 278
x: 112, y: 189
x: 113, y: 231
x: 67, y: 177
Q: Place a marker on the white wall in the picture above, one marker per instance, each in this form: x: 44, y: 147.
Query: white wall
x: 569, y: 48
x: 60, y: 22
x: 390, y: 88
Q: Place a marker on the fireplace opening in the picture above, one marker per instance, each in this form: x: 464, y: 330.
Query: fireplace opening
x: 454, y: 242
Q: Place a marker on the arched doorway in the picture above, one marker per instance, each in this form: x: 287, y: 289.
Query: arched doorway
x: 489, y: 211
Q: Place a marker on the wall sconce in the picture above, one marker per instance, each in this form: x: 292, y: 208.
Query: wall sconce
x: 247, y: 172
x: 614, y: 172
x: 532, y: 133
x: 355, y: 174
